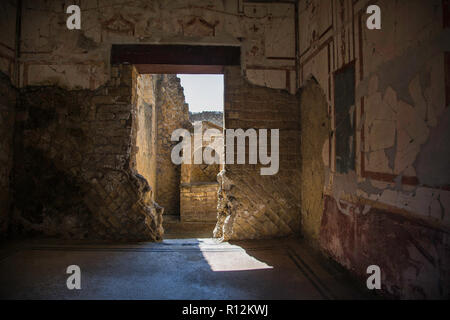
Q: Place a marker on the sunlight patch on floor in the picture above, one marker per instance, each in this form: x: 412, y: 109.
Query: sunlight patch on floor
x: 229, y: 257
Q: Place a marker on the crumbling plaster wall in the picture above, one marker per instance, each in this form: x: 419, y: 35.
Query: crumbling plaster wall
x: 393, y: 209
x: 144, y: 97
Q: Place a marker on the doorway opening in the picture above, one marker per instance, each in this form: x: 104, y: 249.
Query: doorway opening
x: 188, y: 192
x: 198, y: 186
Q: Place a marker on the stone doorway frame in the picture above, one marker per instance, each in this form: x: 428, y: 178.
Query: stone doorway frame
x: 170, y: 59
x: 177, y: 59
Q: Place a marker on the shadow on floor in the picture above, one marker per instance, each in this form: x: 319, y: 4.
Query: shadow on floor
x: 172, y: 269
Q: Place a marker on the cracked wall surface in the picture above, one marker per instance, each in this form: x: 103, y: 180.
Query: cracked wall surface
x: 392, y: 209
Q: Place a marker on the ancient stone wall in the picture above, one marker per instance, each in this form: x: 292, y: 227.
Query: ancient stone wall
x: 8, y: 96
x: 172, y: 113
x: 73, y: 175
x: 386, y: 197
x: 250, y: 205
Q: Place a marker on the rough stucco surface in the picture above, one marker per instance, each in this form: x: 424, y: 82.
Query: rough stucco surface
x: 252, y: 206
x: 315, y: 125
x: 7, y: 112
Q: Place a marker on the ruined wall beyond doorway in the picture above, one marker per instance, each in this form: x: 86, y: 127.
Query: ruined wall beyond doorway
x: 73, y: 175
x: 252, y: 206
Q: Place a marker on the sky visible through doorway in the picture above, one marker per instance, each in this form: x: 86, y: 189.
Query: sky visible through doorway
x: 203, y: 92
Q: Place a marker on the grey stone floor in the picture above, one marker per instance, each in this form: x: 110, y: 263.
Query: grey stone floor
x: 172, y: 269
